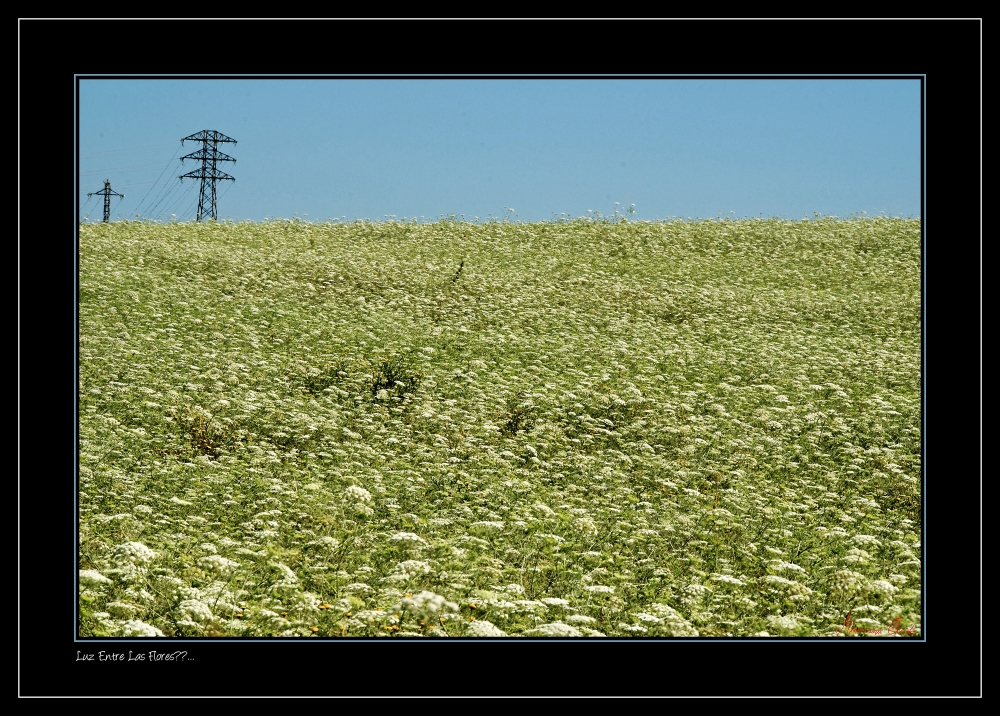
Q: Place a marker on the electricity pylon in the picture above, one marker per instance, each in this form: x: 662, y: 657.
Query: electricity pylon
x: 107, y: 194
x: 208, y: 155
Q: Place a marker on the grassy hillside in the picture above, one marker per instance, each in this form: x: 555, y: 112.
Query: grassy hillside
x: 578, y: 428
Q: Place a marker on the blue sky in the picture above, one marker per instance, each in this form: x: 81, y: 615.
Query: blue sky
x: 367, y: 148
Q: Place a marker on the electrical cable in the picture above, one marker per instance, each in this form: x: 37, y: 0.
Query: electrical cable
x: 127, y: 169
x: 178, y: 200
x: 136, y: 183
x: 176, y: 151
x: 159, y: 195
x: 83, y: 207
x: 137, y: 149
x: 164, y: 195
x: 154, y: 212
x: 172, y: 207
x: 120, y: 200
x: 218, y: 200
x: 190, y: 211
x: 167, y: 185
x: 130, y: 168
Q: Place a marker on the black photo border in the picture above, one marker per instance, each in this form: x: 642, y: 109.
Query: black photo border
x: 947, y: 57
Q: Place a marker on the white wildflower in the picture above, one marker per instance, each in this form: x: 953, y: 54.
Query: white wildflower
x: 139, y: 628
x: 783, y: 622
x: 634, y: 628
x: 92, y: 578
x: 408, y: 539
x: 856, y: 556
x: 845, y: 580
x: 133, y: 553
x: 194, y: 610
x: 528, y: 606
x: 409, y: 569
x: 358, y: 494
x: 122, y: 610
x: 696, y: 591
x: 358, y: 588
x: 775, y: 579
x: 883, y: 587
x: 368, y: 616
x: 488, y: 526
x: 673, y: 623
x: 483, y: 628
x: 554, y: 629
x: 425, y: 604
x: 326, y: 541
x: 648, y: 618
x: 585, y: 524
x: 217, y: 563
x: 554, y: 602
x: 289, y: 578
x: 727, y: 579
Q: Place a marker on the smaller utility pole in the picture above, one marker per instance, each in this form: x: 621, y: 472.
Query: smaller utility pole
x: 107, y: 194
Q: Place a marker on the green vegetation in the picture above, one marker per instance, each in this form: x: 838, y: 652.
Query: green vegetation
x: 573, y: 428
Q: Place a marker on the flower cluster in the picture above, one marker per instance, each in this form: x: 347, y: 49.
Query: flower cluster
x: 648, y: 429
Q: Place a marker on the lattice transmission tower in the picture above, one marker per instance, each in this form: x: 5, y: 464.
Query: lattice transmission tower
x: 209, y: 155
x: 107, y: 193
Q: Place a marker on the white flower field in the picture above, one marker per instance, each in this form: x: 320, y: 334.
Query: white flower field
x: 577, y: 428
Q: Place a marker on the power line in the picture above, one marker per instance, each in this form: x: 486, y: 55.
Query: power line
x: 172, y: 188
x: 136, y: 183
x: 190, y: 207
x: 127, y: 168
x: 126, y: 151
x: 209, y: 174
x: 179, y: 201
x: 159, y: 177
x: 83, y: 209
x: 167, y: 187
x: 226, y: 190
